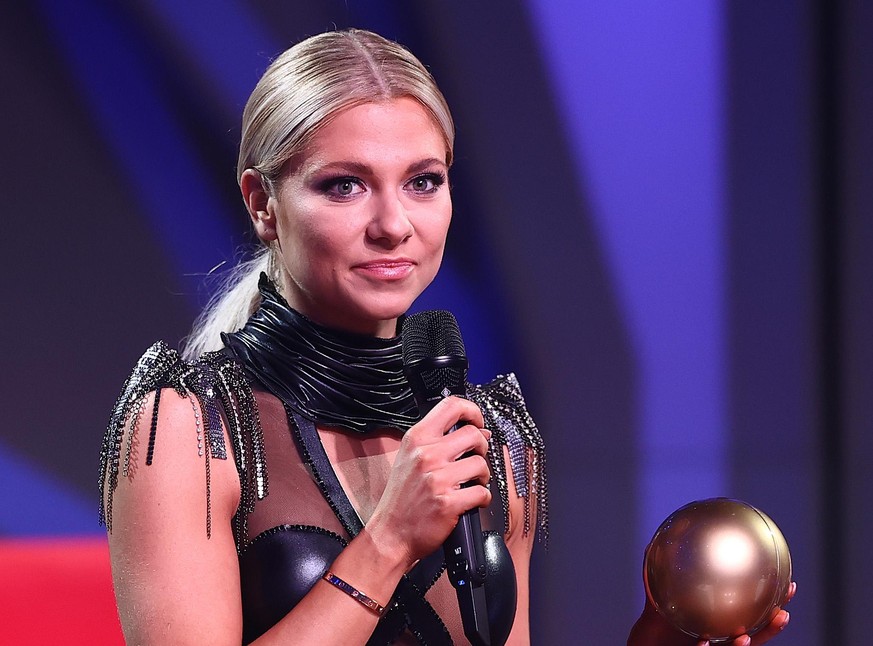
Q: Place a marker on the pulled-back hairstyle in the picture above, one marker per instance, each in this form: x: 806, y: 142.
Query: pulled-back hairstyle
x: 300, y: 92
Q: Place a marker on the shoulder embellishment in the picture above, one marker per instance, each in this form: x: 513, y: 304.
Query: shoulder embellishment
x: 218, y: 390
x: 511, y: 425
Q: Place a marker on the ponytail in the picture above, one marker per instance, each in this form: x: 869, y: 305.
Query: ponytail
x: 231, y: 306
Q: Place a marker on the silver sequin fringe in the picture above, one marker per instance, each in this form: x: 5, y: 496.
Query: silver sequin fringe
x: 511, y: 425
x: 219, y: 393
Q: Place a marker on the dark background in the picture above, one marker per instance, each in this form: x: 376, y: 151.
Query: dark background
x: 663, y: 225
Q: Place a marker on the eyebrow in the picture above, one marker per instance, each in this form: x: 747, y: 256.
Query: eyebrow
x: 365, y: 169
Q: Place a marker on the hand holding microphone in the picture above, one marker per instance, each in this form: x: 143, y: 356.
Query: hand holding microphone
x: 435, y: 363
x: 422, y: 499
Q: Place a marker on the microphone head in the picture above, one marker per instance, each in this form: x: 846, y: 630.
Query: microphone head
x: 434, y: 359
x: 431, y: 334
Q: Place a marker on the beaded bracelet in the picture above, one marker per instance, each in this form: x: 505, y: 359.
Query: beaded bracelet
x: 334, y: 580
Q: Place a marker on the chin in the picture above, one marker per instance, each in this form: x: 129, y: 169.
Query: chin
x: 374, y: 316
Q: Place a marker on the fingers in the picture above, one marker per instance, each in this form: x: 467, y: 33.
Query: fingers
x: 776, y: 626
x: 431, y: 432
x: 467, y: 439
x: 446, y: 471
x: 470, y: 498
x: 443, y: 416
x: 455, y: 464
x: 473, y: 469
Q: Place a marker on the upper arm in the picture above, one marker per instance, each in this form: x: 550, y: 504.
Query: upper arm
x: 520, y: 545
x: 173, y: 583
x: 506, y: 414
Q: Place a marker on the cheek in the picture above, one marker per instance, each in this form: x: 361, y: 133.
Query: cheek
x: 317, y: 250
x: 438, y: 228
x: 302, y: 231
x: 433, y: 234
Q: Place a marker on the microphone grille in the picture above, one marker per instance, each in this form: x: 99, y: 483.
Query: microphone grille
x: 433, y: 333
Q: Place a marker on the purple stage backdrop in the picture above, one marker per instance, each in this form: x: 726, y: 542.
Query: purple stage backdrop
x: 663, y: 224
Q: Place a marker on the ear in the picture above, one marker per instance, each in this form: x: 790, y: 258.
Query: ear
x: 257, y: 199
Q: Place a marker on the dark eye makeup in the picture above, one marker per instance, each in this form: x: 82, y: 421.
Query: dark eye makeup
x: 346, y: 186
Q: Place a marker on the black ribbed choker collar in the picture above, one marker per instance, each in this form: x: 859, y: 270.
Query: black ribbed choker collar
x: 330, y: 377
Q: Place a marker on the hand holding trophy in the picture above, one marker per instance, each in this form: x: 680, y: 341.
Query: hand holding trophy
x: 718, y: 568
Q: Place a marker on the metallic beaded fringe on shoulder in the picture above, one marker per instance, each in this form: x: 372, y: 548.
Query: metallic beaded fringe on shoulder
x: 507, y: 418
x: 219, y: 392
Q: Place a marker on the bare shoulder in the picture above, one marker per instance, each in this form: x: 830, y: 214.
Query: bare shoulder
x: 165, y: 462
x: 185, y: 427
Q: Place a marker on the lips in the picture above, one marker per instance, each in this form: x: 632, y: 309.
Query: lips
x: 387, y: 269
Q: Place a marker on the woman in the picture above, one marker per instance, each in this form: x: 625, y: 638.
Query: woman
x: 323, y: 521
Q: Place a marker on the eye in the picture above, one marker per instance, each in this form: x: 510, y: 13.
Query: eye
x: 345, y: 187
x: 426, y: 183
x: 342, y: 187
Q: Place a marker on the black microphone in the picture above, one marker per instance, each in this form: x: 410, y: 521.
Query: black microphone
x: 435, y: 364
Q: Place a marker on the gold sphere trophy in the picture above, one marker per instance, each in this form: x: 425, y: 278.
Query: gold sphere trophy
x: 717, y: 568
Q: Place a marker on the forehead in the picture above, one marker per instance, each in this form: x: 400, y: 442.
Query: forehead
x: 398, y: 128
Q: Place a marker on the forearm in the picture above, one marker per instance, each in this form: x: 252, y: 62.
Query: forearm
x: 328, y: 615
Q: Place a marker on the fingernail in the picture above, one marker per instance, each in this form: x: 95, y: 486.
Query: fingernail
x: 785, y: 620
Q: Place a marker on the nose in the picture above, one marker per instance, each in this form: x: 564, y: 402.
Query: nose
x: 389, y: 222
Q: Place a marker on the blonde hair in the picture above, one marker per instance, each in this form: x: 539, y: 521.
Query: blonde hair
x: 300, y: 92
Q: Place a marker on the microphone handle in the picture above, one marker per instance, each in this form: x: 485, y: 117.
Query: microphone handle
x: 464, y: 550
x: 432, y: 379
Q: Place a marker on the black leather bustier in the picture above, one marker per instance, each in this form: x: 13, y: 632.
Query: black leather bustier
x: 281, y: 565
